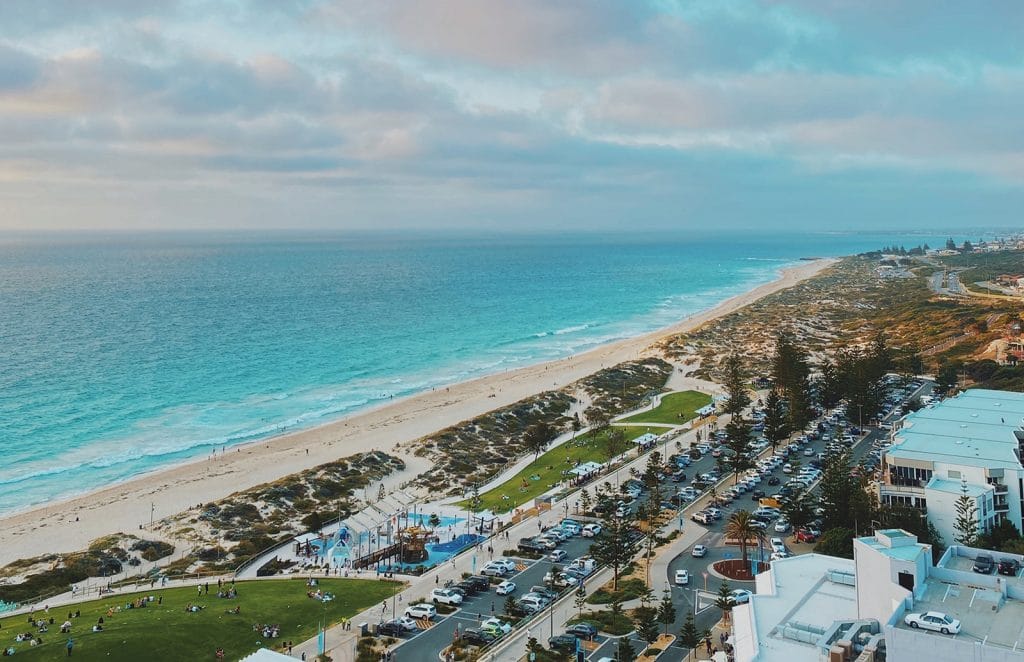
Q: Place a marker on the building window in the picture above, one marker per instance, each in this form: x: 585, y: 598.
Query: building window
x: 954, y: 474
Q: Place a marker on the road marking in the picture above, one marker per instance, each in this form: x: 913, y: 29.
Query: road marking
x: 424, y: 623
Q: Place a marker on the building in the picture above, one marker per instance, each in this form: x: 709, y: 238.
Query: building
x: 969, y: 444
x: 815, y: 608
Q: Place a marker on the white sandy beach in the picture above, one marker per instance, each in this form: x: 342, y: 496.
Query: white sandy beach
x: 123, y: 507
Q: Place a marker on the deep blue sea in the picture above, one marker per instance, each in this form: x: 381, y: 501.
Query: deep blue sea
x: 120, y: 354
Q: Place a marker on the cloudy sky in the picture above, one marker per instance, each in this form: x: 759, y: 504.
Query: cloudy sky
x: 518, y: 114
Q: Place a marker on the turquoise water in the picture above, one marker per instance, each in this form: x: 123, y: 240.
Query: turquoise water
x: 123, y: 354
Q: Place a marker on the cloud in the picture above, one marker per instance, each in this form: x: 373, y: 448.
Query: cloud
x: 529, y: 112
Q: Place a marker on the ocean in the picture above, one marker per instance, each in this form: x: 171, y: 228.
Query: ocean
x: 121, y: 354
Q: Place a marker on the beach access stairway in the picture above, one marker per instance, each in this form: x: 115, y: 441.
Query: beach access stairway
x: 372, y: 516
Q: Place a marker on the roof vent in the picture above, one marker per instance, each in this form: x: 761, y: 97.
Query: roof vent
x: 974, y: 415
x: 959, y: 442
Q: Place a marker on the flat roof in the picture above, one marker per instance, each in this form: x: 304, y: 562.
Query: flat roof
x: 802, y: 594
x: 903, y: 552
x: 955, y: 487
x: 983, y: 616
x: 976, y: 428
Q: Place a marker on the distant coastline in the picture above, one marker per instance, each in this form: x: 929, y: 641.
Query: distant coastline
x: 390, y: 426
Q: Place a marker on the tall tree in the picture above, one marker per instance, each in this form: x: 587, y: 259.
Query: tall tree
x: 836, y: 488
x: 689, y: 636
x: 735, y: 382
x: 624, y: 651
x: 645, y: 619
x: 666, y: 610
x: 966, y: 522
x: 538, y: 436
x: 798, y: 508
x: 738, y: 428
x: 830, y: 386
x: 947, y: 378
x: 836, y: 542
x: 740, y: 527
x: 776, y: 425
x: 614, y: 547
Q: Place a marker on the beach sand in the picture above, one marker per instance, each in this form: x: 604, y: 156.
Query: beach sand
x: 125, y: 506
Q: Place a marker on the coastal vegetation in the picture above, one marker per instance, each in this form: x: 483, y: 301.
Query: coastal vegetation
x: 137, y: 627
x: 474, y: 451
x: 549, y: 469
x: 674, y: 408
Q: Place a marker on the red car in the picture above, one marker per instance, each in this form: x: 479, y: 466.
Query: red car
x: 805, y: 536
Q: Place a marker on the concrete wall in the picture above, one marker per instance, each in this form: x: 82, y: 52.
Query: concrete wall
x: 878, y: 594
x: 744, y: 632
x: 910, y: 645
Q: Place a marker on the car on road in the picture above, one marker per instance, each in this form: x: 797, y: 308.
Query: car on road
x: 702, y: 518
x: 558, y: 555
x: 591, y: 530
x: 781, y: 526
x: 477, y: 637
x: 445, y: 596
x: 933, y: 620
x: 482, y: 584
x: 739, y: 596
x: 682, y: 577
x: 984, y: 564
x: 564, y: 642
x: 1009, y: 567
x: 496, y: 626
x: 506, y: 588
x: 421, y: 610
x: 699, y: 551
x: 777, y: 545
x: 582, y: 630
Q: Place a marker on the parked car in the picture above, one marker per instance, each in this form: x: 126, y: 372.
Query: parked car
x: 591, y: 530
x: 984, y: 564
x: 467, y: 588
x: 582, y: 630
x: 544, y: 592
x: 682, y: 577
x: 445, y: 596
x: 531, y: 545
x: 492, y: 569
x: 505, y: 588
x: 496, y: 626
x: 558, y: 555
x: 781, y: 526
x: 390, y: 629
x: 421, y: 610
x: 933, y: 620
x: 482, y: 584
x: 477, y: 637
x: 803, y: 535
x: 702, y: 517
x: 533, y: 602
x: 777, y: 545
x: 564, y: 642
x: 1009, y: 567
x: 699, y: 551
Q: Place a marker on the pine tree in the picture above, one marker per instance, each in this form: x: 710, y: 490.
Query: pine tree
x: 537, y: 438
x: 625, y: 652
x: 735, y: 382
x: 830, y: 387
x: 776, y: 427
x: 646, y: 621
x: 966, y: 522
x: 666, y: 610
x: 798, y: 508
x: 689, y: 637
x: 836, y: 488
x: 614, y: 547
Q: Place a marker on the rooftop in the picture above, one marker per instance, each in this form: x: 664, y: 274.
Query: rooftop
x: 806, y: 598
x: 976, y: 428
x: 956, y: 487
x: 982, y: 613
x: 902, y: 545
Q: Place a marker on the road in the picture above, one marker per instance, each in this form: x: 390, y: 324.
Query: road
x: 684, y: 597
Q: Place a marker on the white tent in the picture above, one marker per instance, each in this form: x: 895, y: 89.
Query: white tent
x: 266, y: 655
x: 586, y: 468
x: 645, y: 439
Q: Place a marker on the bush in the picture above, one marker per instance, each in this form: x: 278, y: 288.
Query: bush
x: 629, y: 589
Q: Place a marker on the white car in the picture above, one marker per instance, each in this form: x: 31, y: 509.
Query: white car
x: 591, y: 530
x: 505, y: 588
x: 445, y: 596
x: 933, y: 620
x: 739, y: 596
x: 422, y: 610
x: 682, y: 577
x: 778, y: 545
x: 779, y: 555
x: 533, y: 603
x: 699, y: 551
x: 558, y: 555
x: 508, y: 564
x: 781, y: 526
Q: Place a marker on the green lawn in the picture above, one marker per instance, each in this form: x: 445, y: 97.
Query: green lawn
x: 544, y: 472
x: 674, y: 409
x: 167, y: 631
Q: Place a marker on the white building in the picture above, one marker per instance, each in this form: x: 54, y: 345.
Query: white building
x: 968, y: 443
x: 815, y: 608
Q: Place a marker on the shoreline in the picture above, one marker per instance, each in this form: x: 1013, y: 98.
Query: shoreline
x: 390, y: 427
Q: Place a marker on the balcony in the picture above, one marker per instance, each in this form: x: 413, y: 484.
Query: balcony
x: 899, y: 481
x: 891, y: 488
x: 1000, y: 488
x: 1002, y: 507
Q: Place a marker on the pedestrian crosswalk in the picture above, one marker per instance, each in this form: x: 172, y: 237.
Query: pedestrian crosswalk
x: 424, y: 623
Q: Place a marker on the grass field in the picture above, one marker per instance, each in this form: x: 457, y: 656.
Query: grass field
x: 544, y: 472
x: 166, y: 631
x: 674, y: 409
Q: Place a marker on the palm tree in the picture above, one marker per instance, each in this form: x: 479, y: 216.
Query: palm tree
x: 740, y: 527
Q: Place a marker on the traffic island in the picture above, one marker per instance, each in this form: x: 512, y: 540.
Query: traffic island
x: 737, y: 570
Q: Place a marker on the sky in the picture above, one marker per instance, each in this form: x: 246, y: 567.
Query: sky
x: 510, y: 114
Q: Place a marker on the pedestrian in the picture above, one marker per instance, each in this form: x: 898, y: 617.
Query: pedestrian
x: 70, y: 645
x: 199, y: 590
x: 207, y: 588
x: 721, y: 639
x: 303, y: 658
x: 159, y: 599
x: 707, y: 645
x: 437, y: 580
